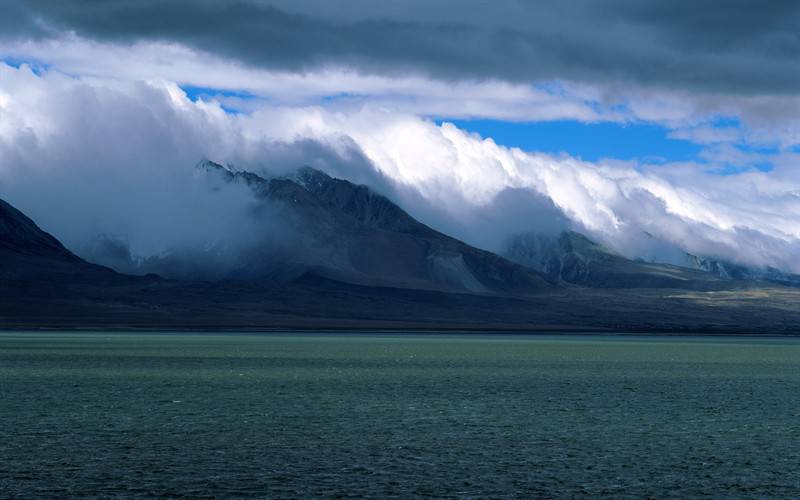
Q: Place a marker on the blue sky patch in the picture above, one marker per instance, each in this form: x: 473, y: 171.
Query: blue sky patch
x: 38, y: 67
x: 195, y: 93
x: 227, y: 98
x: 589, y: 141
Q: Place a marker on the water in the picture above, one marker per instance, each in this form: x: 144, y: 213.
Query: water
x: 88, y: 414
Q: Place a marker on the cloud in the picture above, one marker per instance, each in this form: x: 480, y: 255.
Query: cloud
x: 682, y: 67
x: 739, y: 48
x: 108, y: 168
x: 87, y: 157
x: 706, y: 134
x: 342, y: 86
x: 757, y: 119
x: 617, y: 202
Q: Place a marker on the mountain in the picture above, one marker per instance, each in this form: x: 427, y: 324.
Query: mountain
x: 571, y: 257
x: 44, y: 285
x: 20, y: 236
x: 30, y: 255
x: 351, y: 234
x: 731, y: 271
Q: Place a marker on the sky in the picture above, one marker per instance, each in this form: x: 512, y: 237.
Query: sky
x: 647, y: 125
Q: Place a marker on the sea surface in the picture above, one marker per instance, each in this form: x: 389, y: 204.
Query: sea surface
x: 337, y: 415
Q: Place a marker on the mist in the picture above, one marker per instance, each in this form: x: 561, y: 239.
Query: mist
x: 109, y: 170
x: 107, y: 167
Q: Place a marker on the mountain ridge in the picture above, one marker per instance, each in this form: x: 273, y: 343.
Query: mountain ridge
x: 18, y: 233
x: 359, y: 236
x: 31, y: 256
x: 571, y: 257
x: 59, y: 292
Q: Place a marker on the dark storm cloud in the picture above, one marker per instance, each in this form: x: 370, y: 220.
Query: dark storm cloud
x: 729, y: 46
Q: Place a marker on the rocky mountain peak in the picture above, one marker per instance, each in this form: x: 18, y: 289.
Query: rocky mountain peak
x: 310, y: 178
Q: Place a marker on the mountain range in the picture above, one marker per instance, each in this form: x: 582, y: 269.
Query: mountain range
x: 363, y: 262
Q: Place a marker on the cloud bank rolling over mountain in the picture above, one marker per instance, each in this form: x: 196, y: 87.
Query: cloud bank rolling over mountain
x: 104, y: 115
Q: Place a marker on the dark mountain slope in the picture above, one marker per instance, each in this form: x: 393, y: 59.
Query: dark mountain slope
x: 43, y: 285
x: 354, y: 235
x: 21, y: 236
x: 31, y: 256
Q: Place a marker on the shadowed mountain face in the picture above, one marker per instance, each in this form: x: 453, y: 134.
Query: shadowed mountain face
x: 351, y: 234
x: 30, y: 255
x: 43, y: 285
x: 573, y: 258
x: 21, y: 236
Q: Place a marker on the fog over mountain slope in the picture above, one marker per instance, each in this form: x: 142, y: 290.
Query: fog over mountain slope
x: 349, y: 233
x: 571, y: 257
x: 308, y: 222
x: 305, y: 222
x: 618, y: 166
x: 33, y: 258
x: 45, y: 286
x: 97, y: 149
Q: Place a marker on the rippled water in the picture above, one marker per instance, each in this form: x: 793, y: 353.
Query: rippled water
x: 337, y: 415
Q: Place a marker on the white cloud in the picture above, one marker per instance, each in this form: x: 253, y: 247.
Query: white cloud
x: 91, y: 155
x: 706, y: 134
x: 346, y: 87
x: 766, y: 120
